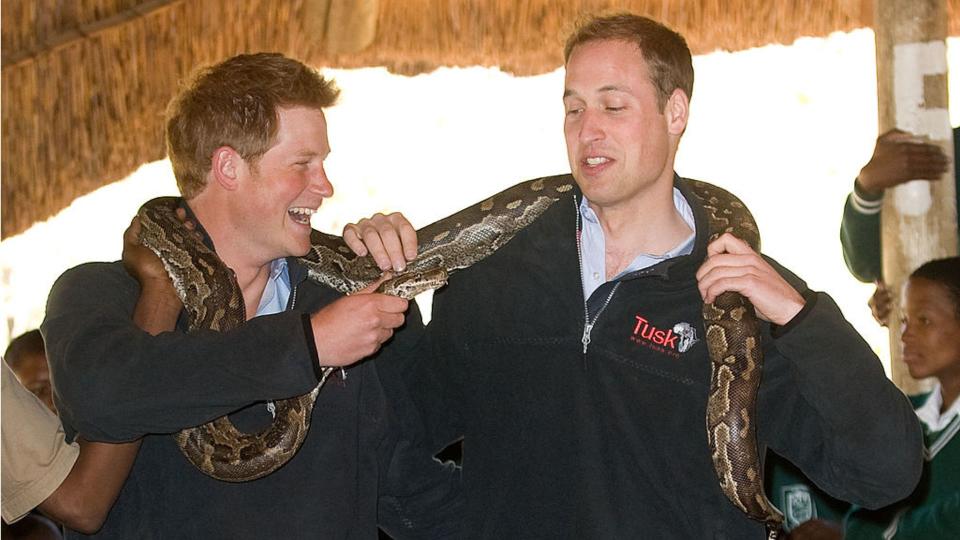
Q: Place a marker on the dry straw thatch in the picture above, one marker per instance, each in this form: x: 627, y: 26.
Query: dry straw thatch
x: 85, y: 82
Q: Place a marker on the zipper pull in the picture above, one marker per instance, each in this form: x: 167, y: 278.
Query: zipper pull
x: 587, y: 328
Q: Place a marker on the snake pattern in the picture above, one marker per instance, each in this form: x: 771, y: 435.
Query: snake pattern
x: 213, y: 301
x: 736, y: 361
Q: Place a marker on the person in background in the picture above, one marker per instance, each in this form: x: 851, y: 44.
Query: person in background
x: 27, y: 358
x: 930, y: 335
x: 898, y: 157
x: 809, y: 513
x: 74, y: 483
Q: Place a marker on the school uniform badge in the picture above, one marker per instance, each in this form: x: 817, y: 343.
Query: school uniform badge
x: 798, y: 505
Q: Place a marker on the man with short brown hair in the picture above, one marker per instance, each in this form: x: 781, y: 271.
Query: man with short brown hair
x: 573, y: 362
x: 248, y: 140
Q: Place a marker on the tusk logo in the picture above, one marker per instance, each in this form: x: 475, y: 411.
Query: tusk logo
x: 671, y: 341
x: 688, y: 336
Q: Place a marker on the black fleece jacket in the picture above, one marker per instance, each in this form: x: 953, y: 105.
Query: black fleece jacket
x: 115, y: 383
x: 611, y: 442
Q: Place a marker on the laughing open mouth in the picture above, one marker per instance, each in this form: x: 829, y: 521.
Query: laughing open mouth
x: 301, y: 215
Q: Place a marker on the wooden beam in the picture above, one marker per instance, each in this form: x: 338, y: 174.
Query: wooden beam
x: 71, y: 36
x: 919, y: 218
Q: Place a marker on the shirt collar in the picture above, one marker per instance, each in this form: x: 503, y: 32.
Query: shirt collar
x: 593, y: 245
x: 276, y: 293
x: 685, y: 247
x: 929, y: 412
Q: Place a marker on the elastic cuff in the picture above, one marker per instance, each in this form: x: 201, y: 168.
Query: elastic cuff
x: 863, y: 202
x: 810, y: 300
x: 311, y: 346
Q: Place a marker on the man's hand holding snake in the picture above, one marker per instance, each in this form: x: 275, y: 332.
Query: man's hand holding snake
x: 356, y: 326
x: 732, y: 265
x: 390, y: 239
x: 159, y: 300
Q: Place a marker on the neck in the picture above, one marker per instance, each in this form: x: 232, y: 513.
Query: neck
x: 949, y: 390
x: 649, y: 224
x: 235, y: 252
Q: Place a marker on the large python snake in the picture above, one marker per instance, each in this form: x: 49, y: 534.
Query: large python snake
x: 213, y: 301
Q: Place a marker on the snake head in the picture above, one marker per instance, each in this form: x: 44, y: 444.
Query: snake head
x: 413, y: 283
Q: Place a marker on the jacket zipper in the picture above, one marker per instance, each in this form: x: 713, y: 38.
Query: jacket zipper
x: 587, y: 323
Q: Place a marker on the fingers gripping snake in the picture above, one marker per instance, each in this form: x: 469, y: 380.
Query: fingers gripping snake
x: 213, y: 301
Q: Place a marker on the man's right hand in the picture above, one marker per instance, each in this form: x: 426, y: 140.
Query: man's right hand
x: 900, y: 157
x: 158, y: 305
x: 356, y: 326
x: 140, y: 262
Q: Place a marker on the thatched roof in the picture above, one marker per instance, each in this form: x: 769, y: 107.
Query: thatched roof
x: 85, y: 82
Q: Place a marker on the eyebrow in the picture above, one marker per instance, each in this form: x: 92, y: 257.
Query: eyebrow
x: 603, y: 89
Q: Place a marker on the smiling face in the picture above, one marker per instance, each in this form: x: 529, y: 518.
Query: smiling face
x: 620, y: 143
x: 930, y: 332
x: 286, y: 185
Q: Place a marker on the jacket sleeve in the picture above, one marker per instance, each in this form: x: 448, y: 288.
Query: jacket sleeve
x: 860, y: 237
x: 826, y: 405
x: 420, y: 497
x: 113, y: 382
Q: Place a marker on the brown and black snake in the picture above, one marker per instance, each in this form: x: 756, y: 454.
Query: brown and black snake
x: 213, y: 301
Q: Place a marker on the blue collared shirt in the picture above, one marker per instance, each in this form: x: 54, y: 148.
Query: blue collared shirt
x: 593, y: 246
x: 276, y: 293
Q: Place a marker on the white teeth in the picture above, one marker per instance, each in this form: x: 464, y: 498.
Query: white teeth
x: 596, y: 160
x: 301, y: 214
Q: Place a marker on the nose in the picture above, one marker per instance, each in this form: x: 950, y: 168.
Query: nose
x: 906, y: 332
x: 319, y: 183
x: 591, y: 127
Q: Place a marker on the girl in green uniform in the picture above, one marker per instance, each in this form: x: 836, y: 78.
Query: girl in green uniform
x: 930, y: 334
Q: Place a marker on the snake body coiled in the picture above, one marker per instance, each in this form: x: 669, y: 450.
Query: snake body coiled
x: 213, y: 300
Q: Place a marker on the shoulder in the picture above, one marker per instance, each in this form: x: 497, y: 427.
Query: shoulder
x: 92, y: 281
x: 93, y: 271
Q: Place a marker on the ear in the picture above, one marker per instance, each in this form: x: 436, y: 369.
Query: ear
x: 677, y: 111
x: 226, y: 167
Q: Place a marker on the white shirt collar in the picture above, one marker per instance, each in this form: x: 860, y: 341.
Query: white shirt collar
x: 929, y: 412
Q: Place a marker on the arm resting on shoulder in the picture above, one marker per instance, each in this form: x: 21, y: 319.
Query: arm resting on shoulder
x: 164, y: 383
x: 86, y: 495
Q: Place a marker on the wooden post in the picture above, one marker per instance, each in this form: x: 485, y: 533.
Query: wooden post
x: 919, y: 218
x: 343, y: 26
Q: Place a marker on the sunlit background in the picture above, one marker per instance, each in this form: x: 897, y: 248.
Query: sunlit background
x: 787, y: 128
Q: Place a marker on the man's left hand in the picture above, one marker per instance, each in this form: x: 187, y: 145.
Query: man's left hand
x: 389, y: 239
x: 732, y: 265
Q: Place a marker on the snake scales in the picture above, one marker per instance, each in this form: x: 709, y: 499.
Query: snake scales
x: 213, y: 301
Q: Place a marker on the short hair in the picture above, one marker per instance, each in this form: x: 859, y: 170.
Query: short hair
x: 666, y: 52
x: 24, y: 346
x: 235, y: 103
x: 945, y: 272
